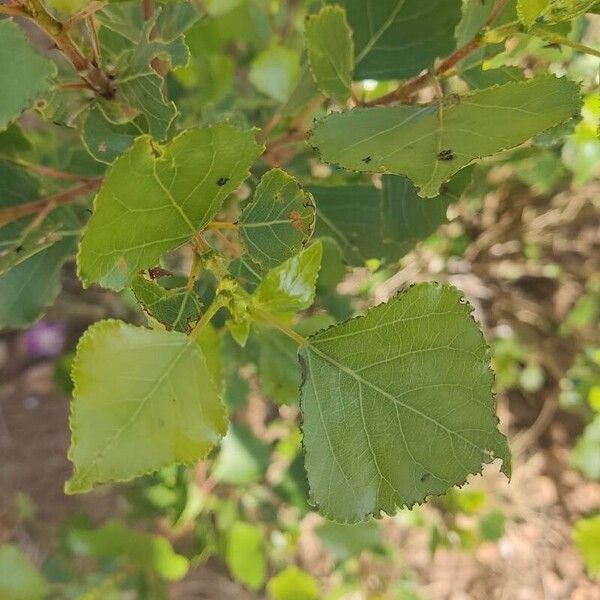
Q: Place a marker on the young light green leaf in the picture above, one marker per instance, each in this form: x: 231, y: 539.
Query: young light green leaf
x: 331, y: 51
x: 142, y: 400
x: 217, y: 8
x: 243, y: 458
x: 383, y: 224
x: 290, y: 287
x: 275, y: 72
x: 25, y: 75
x: 19, y: 580
x: 175, y: 308
x: 396, y: 39
x: 586, y: 454
x: 398, y: 405
x: 552, y: 11
x: 245, y: 554
x: 143, y: 550
x: 151, y: 204
x: 279, y: 221
x: 586, y: 534
x: 293, y: 584
x: 431, y: 143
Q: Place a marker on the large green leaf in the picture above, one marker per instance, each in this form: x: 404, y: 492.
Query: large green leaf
x: 142, y: 400
x: 385, y: 224
x: 151, y: 204
x: 290, y: 287
x: 25, y: 75
x: 279, y: 221
x: 19, y: 580
x: 331, y: 51
x: 395, y: 39
x: 398, y: 405
x: 431, y: 143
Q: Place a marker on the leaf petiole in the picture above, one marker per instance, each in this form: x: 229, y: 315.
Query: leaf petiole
x: 218, y: 303
x: 271, y: 319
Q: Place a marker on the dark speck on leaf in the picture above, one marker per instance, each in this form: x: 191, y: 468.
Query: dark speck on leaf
x: 222, y: 181
x: 18, y: 249
x: 367, y: 160
x: 445, y: 155
x: 425, y: 477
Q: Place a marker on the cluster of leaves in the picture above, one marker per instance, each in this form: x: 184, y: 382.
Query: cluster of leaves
x: 224, y: 252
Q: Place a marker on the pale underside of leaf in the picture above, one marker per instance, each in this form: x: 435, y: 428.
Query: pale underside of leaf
x: 142, y: 400
x: 149, y: 205
x: 398, y: 405
x: 431, y: 143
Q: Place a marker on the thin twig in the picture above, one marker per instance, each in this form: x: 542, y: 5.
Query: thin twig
x: 90, y: 21
x: 13, y: 213
x: 412, y: 86
x: 43, y: 170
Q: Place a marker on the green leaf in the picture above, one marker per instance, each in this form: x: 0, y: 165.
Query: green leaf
x: 151, y: 204
x: 586, y: 454
x: 245, y: 555
x: 106, y: 141
x: 396, y: 39
x: 243, y: 458
x: 13, y: 142
x: 331, y: 51
x: 586, y: 534
x: 19, y: 580
x: 33, y: 285
x: 290, y: 287
x: 217, y: 8
x: 430, y: 143
x: 293, y: 584
x: 22, y: 239
x: 175, y: 308
x: 346, y: 541
x: 278, y: 359
x: 140, y: 87
x: 398, y: 405
x: 25, y: 75
x: 145, y: 551
x: 275, y: 72
x: 383, y: 224
x: 142, y: 400
x: 279, y: 221
x: 552, y: 11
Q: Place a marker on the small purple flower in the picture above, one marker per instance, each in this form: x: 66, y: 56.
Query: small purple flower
x: 45, y: 340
